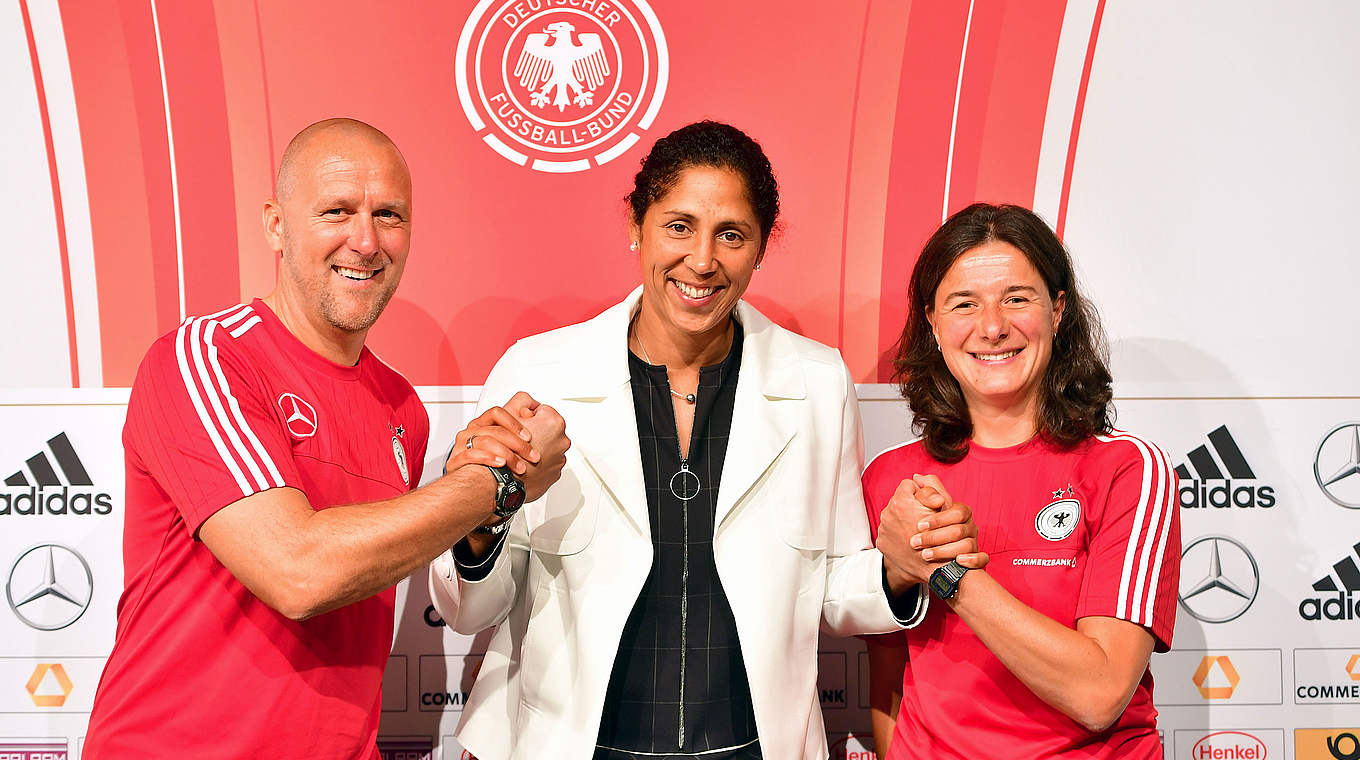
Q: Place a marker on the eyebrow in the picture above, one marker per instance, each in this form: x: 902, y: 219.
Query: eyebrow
x: 1011, y: 289
x: 691, y: 217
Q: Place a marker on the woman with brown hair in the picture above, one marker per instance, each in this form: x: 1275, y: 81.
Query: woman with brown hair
x: 1045, y: 651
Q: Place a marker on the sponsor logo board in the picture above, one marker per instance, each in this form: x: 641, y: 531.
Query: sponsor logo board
x: 1218, y: 477
x: 53, y: 481
x: 1337, y: 599
x: 832, y: 680
x: 33, y: 749
x: 1229, y: 744
x: 1327, y: 676
x: 561, y: 85
x: 1219, y: 579
x: 1221, y: 676
x: 49, y: 684
x: 1327, y: 744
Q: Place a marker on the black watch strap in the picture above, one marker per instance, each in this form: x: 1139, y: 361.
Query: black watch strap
x: 944, y: 582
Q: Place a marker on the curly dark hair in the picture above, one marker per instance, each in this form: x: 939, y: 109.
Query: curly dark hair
x: 707, y: 143
x: 1074, y: 394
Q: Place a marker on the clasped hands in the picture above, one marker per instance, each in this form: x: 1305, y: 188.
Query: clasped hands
x: 528, y: 437
x: 921, y: 529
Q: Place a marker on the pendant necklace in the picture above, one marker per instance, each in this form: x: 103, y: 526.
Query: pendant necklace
x: 684, y: 484
x: 689, y: 397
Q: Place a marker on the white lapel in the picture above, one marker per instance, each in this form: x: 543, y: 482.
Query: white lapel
x: 598, y: 406
x: 770, y: 375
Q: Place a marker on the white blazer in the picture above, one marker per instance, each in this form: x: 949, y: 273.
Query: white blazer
x: 791, y: 544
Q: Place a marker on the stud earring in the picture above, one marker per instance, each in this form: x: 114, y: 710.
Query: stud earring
x: 632, y: 246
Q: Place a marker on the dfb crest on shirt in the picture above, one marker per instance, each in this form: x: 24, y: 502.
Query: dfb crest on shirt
x: 399, y: 452
x: 1059, y: 517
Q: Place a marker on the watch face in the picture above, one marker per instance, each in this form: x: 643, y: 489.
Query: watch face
x: 514, y: 497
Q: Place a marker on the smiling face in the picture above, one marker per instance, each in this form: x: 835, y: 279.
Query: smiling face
x: 341, y: 222
x: 698, y: 245
x: 995, y: 322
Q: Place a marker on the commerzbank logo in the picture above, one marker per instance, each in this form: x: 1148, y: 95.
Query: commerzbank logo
x: 1216, y: 677
x: 561, y: 85
x: 53, y: 481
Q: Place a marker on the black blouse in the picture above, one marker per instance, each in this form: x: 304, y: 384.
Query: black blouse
x: 679, y: 684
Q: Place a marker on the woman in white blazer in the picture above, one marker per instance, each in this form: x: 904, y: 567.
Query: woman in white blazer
x: 584, y: 584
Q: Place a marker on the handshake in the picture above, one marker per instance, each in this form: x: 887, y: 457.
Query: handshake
x: 525, y: 436
x: 921, y: 529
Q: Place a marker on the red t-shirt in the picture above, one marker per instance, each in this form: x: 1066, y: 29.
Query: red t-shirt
x: 1091, y: 530
x: 224, y: 407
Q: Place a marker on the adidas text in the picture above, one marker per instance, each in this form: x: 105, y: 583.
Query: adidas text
x: 1199, y: 494
x: 40, y: 501
x: 1343, y: 606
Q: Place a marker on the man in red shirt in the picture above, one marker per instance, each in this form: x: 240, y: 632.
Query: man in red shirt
x: 270, y: 464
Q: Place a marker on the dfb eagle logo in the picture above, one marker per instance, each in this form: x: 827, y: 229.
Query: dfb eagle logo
x: 551, y: 60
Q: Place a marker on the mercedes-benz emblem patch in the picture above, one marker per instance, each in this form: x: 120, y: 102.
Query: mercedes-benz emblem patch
x: 1336, y: 465
x: 1219, y: 579
x: 49, y: 587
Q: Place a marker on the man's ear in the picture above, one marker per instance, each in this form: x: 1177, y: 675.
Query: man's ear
x: 272, y: 217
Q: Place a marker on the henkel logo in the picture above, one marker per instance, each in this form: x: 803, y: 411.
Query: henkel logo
x: 1340, y: 601
x: 561, y: 85
x: 298, y: 415
x: 1222, y: 479
x: 1216, y: 678
x: 53, y: 485
x: 49, y: 692
x: 1229, y: 745
x: 852, y: 747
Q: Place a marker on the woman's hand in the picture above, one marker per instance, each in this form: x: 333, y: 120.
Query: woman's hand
x: 921, y: 529
x: 948, y: 533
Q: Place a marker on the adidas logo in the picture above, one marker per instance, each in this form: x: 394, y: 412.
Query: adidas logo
x: 1345, y: 605
x: 36, y: 488
x: 1211, y: 483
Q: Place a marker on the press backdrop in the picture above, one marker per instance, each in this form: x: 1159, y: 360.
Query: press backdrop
x: 1198, y: 158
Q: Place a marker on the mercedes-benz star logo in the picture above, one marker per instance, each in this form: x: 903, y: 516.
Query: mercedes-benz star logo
x: 300, y: 417
x: 1219, y: 579
x: 49, y: 587
x: 1336, y: 464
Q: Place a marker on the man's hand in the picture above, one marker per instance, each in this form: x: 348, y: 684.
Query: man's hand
x: 496, y: 438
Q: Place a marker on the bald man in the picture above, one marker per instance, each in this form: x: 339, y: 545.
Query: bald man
x: 271, y: 460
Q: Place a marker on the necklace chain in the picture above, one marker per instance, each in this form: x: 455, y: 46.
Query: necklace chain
x: 688, y: 397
